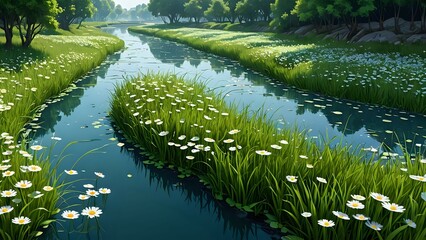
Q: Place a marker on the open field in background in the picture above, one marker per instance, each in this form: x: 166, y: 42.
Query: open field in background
x: 384, y: 74
x: 29, y: 79
x: 258, y: 169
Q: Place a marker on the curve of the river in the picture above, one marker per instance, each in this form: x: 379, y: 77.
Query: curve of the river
x: 150, y: 203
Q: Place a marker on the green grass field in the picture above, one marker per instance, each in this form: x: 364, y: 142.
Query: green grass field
x: 28, y: 78
x: 383, y: 74
x: 254, y: 167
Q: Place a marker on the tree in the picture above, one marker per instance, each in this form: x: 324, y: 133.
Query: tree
x: 73, y: 10
x: 104, y: 8
x: 34, y: 15
x: 173, y: 10
x: 194, y: 10
x: 218, y: 11
x: 246, y: 11
x: 118, y: 10
x: 8, y: 18
x: 281, y: 11
x: 264, y: 8
x: 232, y: 7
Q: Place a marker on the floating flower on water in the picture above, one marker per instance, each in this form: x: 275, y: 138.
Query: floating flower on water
x: 292, y: 179
x: 393, y: 207
x: 21, y: 220
x: 34, y: 168
x: 228, y: 140
x: 71, y: 172
x: 418, y: 178
x: 104, y: 190
x: 36, y: 147
x: 274, y: 146
x: 234, y: 131
x: 92, y: 193
x: 410, y: 223
x: 263, y: 152
x: 83, y: 197
x: 120, y: 144
x: 379, y: 197
x: 8, y: 173
x: 23, y: 184
x: 308, y: 165
x: 190, y: 157
x: 374, y: 225
x: 8, y: 193
x: 360, y: 217
x: 91, y: 212
x: 56, y: 138
x: 284, y: 142
x: 306, y: 214
x: 321, y: 180
x: 47, y: 188
x: 88, y: 186
x: 67, y: 214
x: 326, y: 223
x: 341, y: 215
x: 99, y: 174
x: 303, y: 156
x: 209, y: 140
x: 355, y: 204
x: 5, y: 209
x: 163, y: 133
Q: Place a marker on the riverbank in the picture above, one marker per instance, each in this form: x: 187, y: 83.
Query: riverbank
x: 374, y: 73
x: 256, y: 168
x: 29, y: 78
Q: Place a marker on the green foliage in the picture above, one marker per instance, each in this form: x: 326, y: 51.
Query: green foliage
x: 72, y: 10
x: 193, y: 9
x: 283, y: 18
x: 173, y: 10
x: 245, y: 161
x: 103, y: 9
x: 218, y: 10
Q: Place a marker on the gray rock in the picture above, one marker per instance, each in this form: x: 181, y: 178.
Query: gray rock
x: 417, y: 38
x: 381, y: 36
x: 359, y: 35
x: 305, y: 29
x: 375, y: 26
x: 338, y: 34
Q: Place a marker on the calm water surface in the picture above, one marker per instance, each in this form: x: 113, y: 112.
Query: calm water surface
x: 150, y: 203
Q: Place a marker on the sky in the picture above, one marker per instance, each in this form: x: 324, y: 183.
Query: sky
x: 130, y: 3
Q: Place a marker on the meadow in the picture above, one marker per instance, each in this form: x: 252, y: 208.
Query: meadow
x: 305, y: 190
x: 29, y: 80
x: 377, y: 73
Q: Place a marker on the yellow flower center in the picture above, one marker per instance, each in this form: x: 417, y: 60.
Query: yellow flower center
x: 421, y: 178
x: 393, y: 207
x: 4, y: 210
x: 8, y: 193
x: 326, y: 223
x: 70, y: 215
x: 361, y: 217
x: 91, y: 212
x: 379, y: 197
x: 355, y: 204
x: 23, y: 185
x: 21, y: 221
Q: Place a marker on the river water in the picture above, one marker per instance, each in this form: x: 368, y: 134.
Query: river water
x: 150, y: 203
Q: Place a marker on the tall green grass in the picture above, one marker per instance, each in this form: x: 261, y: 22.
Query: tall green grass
x: 382, y: 74
x: 28, y: 78
x: 247, y: 162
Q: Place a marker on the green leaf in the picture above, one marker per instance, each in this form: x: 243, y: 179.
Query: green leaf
x: 181, y: 176
x: 247, y: 209
x: 271, y: 217
x: 230, y: 202
x: 395, y: 232
x: 291, y: 237
x: 284, y: 229
x: 274, y: 225
x: 39, y: 233
x: 218, y: 196
x: 47, y: 222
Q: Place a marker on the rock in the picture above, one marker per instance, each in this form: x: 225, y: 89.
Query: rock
x: 305, y: 29
x: 375, y: 26
x: 338, y: 34
x: 359, y: 35
x: 417, y: 38
x: 381, y: 36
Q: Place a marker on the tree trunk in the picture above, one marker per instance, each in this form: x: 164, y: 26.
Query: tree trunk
x: 397, y: 10
x: 9, y: 35
x: 423, y: 20
x: 81, y: 21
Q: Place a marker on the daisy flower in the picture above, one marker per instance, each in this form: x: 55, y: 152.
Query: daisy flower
x: 8, y: 173
x: 104, y: 190
x: 71, y: 172
x: 21, y: 220
x: 326, y: 223
x: 358, y: 197
x: 374, y: 225
x: 34, y: 168
x: 263, y: 152
x: 92, y: 193
x: 418, y: 178
x: 5, y: 209
x: 393, y: 207
x: 341, y: 215
x: 234, y: 131
x: 306, y: 214
x: 91, y: 212
x: 8, y: 193
x: 360, y: 217
x: 284, y: 142
x: 23, y: 184
x: 88, y: 186
x: 292, y: 179
x: 228, y: 140
x: 410, y: 223
x: 379, y: 197
x: 36, y: 147
x: 99, y: 174
x: 67, y: 214
x: 274, y: 146
x: 355, y: 204
x: 321, y: 180
x: 47, y: 188
x: 83, y: 197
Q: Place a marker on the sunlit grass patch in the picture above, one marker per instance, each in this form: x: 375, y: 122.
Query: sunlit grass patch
x: 315, y: 192
x: 371, y: 73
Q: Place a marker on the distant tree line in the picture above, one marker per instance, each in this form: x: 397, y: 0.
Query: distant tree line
x: 283, y: 14
x: 30, y: 17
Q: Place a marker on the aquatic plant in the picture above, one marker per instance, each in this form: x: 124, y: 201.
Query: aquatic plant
x: 381, y: 74
x: 315, y: 192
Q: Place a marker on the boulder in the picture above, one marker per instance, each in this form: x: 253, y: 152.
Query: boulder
x: 359, y: 35
x: 381, y: 36
x: 417, y: 38
x: 305, y: 29
x: 375, y: 26
x: 338, y: 34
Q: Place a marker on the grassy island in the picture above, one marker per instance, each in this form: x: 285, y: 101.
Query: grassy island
x: 384, y: 74
x: 302, y: 188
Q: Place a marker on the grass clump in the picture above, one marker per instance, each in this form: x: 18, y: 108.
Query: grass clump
x: 380, y: 74
x: 28, y: 78
x: 256, y: 168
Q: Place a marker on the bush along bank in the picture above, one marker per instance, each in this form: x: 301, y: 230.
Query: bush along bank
x: 382, y: 74
x: 310, y: 191
x: 29, y: 189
